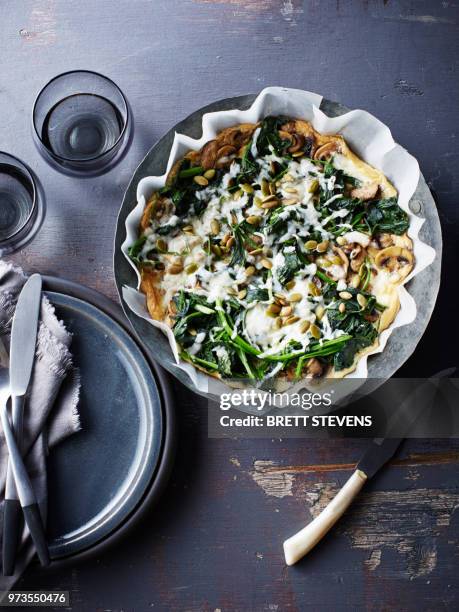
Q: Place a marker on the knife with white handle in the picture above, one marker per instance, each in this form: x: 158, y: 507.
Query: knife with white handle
x: 22, y: 355
x: 375, y: 457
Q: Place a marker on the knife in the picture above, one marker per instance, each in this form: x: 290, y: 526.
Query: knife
x: 375, y: 457
x: 22, y: 355
x: 28, y: 501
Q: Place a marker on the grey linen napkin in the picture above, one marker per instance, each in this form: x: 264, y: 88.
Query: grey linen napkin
x: 51, y: 412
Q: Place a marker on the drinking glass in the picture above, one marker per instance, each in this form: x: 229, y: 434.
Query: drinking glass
x: 21, y: 204
x: 81, y: 123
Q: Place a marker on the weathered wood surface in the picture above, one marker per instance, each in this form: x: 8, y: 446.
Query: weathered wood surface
x: 215, y: 540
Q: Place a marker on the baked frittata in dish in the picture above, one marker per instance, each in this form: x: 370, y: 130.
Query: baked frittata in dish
x: 274, y: 251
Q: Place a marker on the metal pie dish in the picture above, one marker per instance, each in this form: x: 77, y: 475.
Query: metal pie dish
x: 423, y: 287
x: 102, y: 480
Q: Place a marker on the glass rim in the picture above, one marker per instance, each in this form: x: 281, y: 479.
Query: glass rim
x: 99, y: 155
x: 25, y: 170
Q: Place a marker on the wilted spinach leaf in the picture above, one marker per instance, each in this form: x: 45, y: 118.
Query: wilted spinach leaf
x: 387, y: 216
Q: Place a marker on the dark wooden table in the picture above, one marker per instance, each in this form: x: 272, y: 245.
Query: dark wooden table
x: 214, y: 542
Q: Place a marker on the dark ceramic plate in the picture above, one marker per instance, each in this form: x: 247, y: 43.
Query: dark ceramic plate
x: 99, y: 478
x: 423, y: 287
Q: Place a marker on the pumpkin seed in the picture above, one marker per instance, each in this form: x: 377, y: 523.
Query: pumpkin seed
x: 242, y: 293
x: 315, y: 331
x: 256, y: 251
x: 290, y: 201
x: 230, y: 242
x: 295, y: 297
x: 247, y: 188
x: 362, y: 300
x: 342, y: 307
x: 288, y: 178
x: 192, y: 267
x: 193, y: 332
x: 341, y: 240
x: 273, y: 309
x: 278, y: 323
x: 286, y: 311
x: 204, y: 309
x: 291, y: 320
x: 291, y: 190
x: 314, y: 289
x: 270, y: 204
x: 161, y: 245
x: 257, y: 202
x: 215, y: 226
x: 272, y: 188
x: 265, y: 187
x: 237, y: 194
x: 305, y: 325
x: 209, y: 174
x: 250, y: 271
x: 355, y: 281
x: 225, y: 239
x: 320, y: 311
x: 266, y: 264
x: 322, y: 246
x: 298, y: 154
x: 345, y: 295
x: 188, y: 229
x: 290, y: 285
x: 314, y: 186
x: 270, y: 198
x: 201, y: 180
x: 253, y: 220
x: 216, y: 250
x: 336, y: 260
x: 310, y: 245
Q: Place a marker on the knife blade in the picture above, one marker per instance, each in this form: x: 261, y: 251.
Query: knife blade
x: 24, y: 335
x: 22, y: 353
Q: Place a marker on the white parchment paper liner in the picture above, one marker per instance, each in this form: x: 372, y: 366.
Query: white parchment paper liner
x: 370, y: 139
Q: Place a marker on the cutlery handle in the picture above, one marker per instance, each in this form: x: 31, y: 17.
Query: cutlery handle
x: 25, y: 491
x: 17, y: 414
x: 12, y: 518
x: 302, y: 542
x: 37, y: 531
x: 12, y: 528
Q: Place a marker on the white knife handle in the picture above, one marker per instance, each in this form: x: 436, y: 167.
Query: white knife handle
x: 302, y: 542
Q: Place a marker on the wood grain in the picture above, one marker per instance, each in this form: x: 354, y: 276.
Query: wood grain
x: 214, y: 542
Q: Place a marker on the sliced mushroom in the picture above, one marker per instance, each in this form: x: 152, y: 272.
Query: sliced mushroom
x: 209, y: 154
x: 224, y: 155
x: 395, y: 259
x: 327, y: 150
x: 357, y: 256
x: 342, y: 255
x: 385, y: 240
x: 366, y: 192
x: 298, y: 143
x: 314, y: 368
